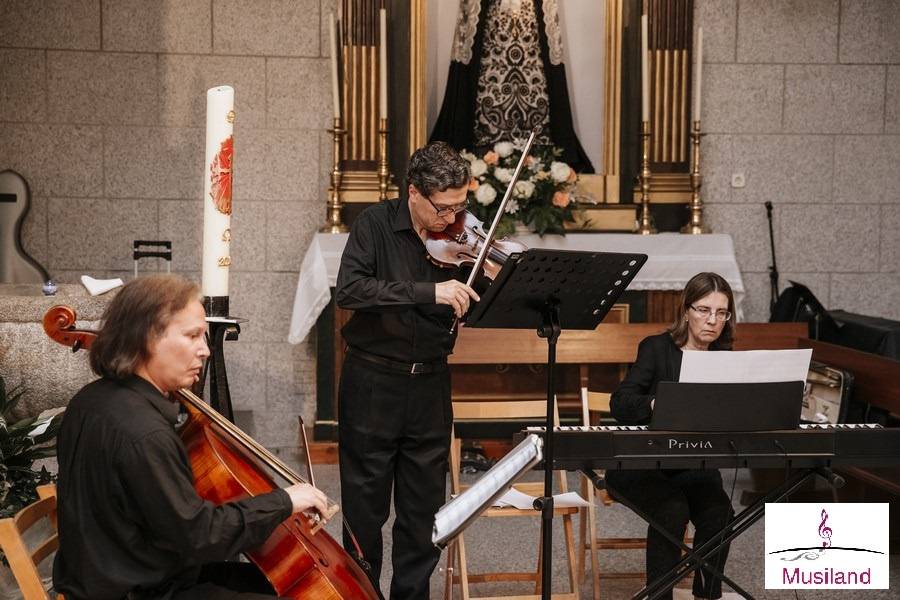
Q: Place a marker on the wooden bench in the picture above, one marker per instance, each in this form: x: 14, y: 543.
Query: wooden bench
x: 484, y: 362
x: 877, y: 383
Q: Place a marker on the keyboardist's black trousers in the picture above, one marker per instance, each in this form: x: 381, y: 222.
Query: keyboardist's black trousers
x: 672, y: 498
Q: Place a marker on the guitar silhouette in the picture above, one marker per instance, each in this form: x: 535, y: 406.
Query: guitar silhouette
x: 16, y: 266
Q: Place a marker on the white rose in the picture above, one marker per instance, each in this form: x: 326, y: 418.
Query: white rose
x: 512, y: 207
x: 559, y: 171
x: 503, y: 149
x: 503, y: 175
x: 485, y: 194
x: 524, y: 189
x: 479, y: 167
x: 467, y: 155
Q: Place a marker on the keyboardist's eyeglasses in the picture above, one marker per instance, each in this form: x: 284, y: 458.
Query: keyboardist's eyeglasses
x: 705, y: 311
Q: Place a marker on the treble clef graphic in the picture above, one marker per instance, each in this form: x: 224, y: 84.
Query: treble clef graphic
x: 824, y: 531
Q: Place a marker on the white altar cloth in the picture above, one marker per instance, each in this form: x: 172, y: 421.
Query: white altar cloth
x: 673, y: 259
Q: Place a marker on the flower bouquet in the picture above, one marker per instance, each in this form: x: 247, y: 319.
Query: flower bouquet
x: 541, y: 199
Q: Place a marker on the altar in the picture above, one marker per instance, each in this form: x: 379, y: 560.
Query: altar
x: 673, y: 259
x: 651, y: 297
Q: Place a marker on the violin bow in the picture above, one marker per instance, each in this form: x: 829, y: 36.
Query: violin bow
x: 482, y: 254
x: 489, y: 239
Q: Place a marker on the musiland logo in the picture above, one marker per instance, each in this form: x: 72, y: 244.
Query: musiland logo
x: 827, y: 546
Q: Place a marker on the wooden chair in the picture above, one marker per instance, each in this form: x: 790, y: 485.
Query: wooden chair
x: 457, y: 566
x: 594, y: 406
x: 24, y: 562
x: 588, y: 540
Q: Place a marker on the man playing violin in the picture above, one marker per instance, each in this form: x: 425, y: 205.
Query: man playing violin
x: 395, y: 413
x: 131, y: 524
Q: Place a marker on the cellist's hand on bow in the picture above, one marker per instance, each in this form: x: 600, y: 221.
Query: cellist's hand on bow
x: 455, y: 294
x: 305, y: 497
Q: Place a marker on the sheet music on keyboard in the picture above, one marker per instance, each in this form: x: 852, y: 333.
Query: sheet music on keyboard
x: 748, y: 366
x: 454, y: 516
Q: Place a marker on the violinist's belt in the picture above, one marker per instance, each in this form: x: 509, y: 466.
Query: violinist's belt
x: 401, y: 367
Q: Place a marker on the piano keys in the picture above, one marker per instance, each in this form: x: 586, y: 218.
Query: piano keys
x: 809, y: 446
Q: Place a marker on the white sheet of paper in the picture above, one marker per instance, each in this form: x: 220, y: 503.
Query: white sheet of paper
x: 749, y: 366
x: 517, y: 499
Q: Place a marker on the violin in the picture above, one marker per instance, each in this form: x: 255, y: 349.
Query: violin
x: 299, y: 559
x: 467, y: 236
x: 460, y: 243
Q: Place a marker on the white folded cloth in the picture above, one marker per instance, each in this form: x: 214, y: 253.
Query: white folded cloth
x: 100, y: 286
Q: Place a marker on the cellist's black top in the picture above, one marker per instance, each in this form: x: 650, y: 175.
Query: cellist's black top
x: 129, y: 517
x: 388, y: 281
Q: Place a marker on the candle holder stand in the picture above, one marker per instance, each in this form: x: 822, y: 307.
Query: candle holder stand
x: 334, y: 223
x: 645, y: 226
x: 384, y: 174
x: 221, y: 328
x: 695, y: 225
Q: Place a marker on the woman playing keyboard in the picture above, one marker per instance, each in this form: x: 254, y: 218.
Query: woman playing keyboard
x: 674, y: 497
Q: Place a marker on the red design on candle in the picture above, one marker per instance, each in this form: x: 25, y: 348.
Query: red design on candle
x: 220, y: 176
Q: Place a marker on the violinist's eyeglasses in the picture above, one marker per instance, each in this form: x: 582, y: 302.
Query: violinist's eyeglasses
x: 705, y: 311
x: 446, y: 211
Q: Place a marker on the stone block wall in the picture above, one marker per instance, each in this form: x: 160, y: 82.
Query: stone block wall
x: 102, y: 109
x: 803, y: 98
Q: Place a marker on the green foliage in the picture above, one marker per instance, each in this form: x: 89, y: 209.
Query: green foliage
x: 541, y: 199
x: 22, y: 443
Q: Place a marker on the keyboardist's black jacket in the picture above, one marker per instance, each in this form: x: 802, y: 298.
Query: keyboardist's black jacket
x: 658, y: 359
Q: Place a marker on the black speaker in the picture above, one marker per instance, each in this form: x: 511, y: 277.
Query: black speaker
x: 798, y: 304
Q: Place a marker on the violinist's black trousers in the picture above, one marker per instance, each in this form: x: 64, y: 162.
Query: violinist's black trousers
x: 394, y: 430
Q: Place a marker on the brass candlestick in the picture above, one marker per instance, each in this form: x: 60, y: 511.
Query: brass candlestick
x: 384, y: 175
x: 695, y: 226
x: 646, y: 225
x: 334, y: 223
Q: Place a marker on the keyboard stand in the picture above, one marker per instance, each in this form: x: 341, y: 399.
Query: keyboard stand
x: 701, y: 557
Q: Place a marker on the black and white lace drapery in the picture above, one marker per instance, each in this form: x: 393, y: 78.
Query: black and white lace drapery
x: 512, y: 89
x: 506, y: 76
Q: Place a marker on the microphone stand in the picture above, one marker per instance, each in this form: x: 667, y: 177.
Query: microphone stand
x: 773, y: 270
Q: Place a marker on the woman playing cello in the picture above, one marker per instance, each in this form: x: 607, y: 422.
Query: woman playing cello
x: 131, y: 524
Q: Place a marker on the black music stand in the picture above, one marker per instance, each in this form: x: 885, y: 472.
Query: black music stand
x: 551, y: 290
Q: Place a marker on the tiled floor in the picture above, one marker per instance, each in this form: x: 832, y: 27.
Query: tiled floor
x: 513, y: 543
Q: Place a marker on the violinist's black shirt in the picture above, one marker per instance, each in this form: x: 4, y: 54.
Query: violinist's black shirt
x: 388, y: 281
x: 129, y: 517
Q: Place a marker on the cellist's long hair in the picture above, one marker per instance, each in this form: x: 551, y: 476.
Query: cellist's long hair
x: 699, y: 286
x: 138, y: 314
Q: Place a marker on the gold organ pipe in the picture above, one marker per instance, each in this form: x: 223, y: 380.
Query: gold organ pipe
x: 372, y: 120
x: 667, y: 109
x: 617, y: 96
x: 683, y: 118
x: 676, y: 104
x: 656, y: 112
x: 351, y: 80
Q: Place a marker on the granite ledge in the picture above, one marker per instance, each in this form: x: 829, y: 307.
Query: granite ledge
x: 25, y: 303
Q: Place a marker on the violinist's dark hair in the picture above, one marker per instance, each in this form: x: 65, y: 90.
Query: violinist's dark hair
x: 437, y: 167
x: 139, y: 313
x: 699, y: 286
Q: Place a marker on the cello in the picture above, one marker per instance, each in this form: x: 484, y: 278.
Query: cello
x: 299, y: 559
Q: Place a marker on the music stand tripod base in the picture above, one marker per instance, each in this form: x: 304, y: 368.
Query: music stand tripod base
x: 548, y: 291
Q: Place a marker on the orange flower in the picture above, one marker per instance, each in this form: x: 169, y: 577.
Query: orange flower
x: 473, y: 184
x: 572, y: 176
x: 491, y: 158
x: 561, y: 199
